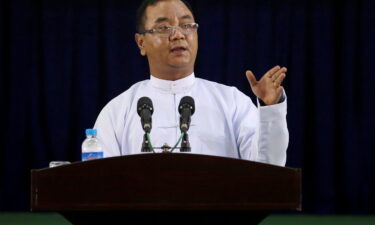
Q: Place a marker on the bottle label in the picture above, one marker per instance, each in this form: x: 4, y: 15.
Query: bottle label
x: 91, y: 155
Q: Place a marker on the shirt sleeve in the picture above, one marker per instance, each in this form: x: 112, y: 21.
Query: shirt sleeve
x: 273, y: 133
x: 261, y: 132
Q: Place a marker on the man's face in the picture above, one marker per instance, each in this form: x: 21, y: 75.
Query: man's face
x: 178, y: 51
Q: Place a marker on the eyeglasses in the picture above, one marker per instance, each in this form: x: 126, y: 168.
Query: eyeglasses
x: 167, y: 30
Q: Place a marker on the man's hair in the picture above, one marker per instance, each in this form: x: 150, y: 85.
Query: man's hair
x: 141, y: 12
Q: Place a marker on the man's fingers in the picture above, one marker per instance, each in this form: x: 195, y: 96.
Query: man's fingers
x: 280, y: 79
x: 279, y: 93
x: 272, y: 71
x: 251, y: 78
x: 278, y: 73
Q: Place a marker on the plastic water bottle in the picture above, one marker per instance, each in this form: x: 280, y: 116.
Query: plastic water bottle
x: 91, y: 147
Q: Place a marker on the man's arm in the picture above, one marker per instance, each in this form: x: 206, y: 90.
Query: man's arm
x: 261, y: 132
x: 272, y: 134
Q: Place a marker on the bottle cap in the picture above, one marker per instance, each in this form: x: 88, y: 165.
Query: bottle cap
x: 58, y: 163
x: 91, y: 132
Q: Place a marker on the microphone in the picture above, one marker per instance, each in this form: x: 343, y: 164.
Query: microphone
x: 186, y: 108
x: 145, y: 110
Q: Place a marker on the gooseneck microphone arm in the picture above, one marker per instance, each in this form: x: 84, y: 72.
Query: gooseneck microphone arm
x: 185, y: 144
x: 146, y: 144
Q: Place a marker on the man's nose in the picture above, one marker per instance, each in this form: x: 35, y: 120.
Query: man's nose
x: 177, y: 34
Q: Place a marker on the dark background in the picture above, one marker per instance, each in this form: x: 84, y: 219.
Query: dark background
x: 62, y: 61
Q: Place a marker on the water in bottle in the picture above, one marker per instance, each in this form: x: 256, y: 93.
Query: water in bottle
x: 91, y: 147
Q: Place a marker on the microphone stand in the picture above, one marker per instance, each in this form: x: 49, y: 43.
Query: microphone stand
x: 146, y: 144
x: 185, y: 144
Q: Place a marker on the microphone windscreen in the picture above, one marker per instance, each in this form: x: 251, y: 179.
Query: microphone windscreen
x: 187, y: 101
x: 144, y: 102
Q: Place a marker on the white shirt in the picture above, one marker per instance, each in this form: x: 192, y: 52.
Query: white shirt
x: 225, y: 123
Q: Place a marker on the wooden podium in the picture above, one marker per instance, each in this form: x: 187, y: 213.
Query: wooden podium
x: 165, y: 188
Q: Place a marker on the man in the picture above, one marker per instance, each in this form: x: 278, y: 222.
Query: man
x: 225, y: 122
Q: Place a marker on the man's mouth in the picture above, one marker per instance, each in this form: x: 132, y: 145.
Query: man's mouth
x: 178, y: 49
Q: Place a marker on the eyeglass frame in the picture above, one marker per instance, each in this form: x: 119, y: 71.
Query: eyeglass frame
x: 173, y: 28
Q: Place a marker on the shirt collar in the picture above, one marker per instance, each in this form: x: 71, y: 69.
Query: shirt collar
x: 176, y: 86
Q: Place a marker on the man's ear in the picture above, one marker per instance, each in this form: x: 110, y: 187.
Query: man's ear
x: 140, y: 42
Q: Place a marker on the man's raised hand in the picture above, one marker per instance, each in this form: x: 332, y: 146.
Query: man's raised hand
x: 268, y: 88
